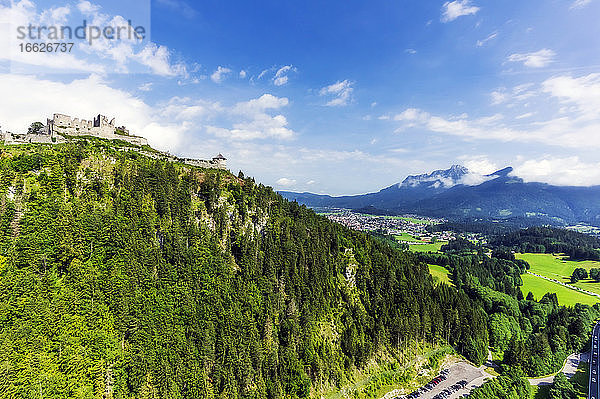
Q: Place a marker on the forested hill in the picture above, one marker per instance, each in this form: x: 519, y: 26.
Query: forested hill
x: 550, y: 240
x: 123, y: 276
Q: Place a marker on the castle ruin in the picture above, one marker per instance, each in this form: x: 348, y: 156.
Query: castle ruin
x: 100, y: 126
x: 62, y: 127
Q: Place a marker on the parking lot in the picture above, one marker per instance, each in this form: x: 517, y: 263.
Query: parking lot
x: 459, y: 380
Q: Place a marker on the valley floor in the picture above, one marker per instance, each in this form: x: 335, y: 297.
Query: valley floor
x: 551, y: 273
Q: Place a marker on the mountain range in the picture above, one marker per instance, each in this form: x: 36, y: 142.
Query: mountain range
x: 457, y: 193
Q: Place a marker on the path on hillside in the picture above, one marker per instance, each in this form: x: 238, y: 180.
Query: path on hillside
x: 569, y: 369
x: 565, y: 285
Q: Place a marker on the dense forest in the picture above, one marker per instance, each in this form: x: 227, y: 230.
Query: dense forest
x: 551, y: 240
x: 512, y: 385
x: 532, y: 336
x: 124, y: 276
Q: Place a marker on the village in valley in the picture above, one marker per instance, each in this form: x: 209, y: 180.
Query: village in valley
x: 409, y: 229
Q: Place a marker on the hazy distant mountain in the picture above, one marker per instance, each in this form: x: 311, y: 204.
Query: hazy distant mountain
x: 438, y: 179
x: 457, y: 193
x: 412, y: 189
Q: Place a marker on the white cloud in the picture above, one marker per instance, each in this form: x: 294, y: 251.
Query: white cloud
x: 536, y: 59
x: 454, y: 9
x: 145, y: 87
x: 474, y: 179
x: 410, y: 51
x: 582, y: 93
x: 479, y: 164
x: 263, y: 73
x: 329, y: 169
x: 568, y: 171
x: 342, y: 92
x: 103, y: 56
x: 158, y: 59
x: 175, y: 124
x: 56, y: 15
x: 280, y: 81
x: 580, y: 3
x: 258, y: 124
x: 86, y: 97
x: 411, y: 117
x: 185, y: 109
x: 219, y: 75
x: 281, y: 76
x: 576, y: 127
x: 525, y: 115
x: 85, y: 7
x: 243, y: 74
x: 23, y: 13
x: 482, y: 128
x: 510, y: 97
x: 492, y: 36
x: 285, y: 182
x: 499, y: 96
x: 260, y: 105
x: 523, y: 91
x: 261, y: 127
x: 480, y: 168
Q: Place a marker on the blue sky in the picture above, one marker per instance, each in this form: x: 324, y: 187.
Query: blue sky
x: 336, y: 97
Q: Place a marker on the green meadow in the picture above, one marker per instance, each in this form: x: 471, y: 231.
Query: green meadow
x: 428, y: 247
x: 558, y: 268
x: 406, y: 237
x: 566, y: 296
x: 440, y: 274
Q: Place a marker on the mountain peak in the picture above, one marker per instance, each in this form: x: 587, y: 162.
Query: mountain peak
x: 502, y: 172
x: 443, y: 178
x: 458, y: 169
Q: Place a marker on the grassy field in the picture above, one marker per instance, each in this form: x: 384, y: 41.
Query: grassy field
x: 406, y: 238
x: 566, y: 296
x: 440, y: 273
x: 556, y: 267
x: 428, y: 247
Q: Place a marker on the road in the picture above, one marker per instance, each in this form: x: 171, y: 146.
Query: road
x: 594, y: 387
x: 569, y: 369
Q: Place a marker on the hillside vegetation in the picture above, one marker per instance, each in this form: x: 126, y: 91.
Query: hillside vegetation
x: 127, y: 277
x: 577, y: 246
x: 529, y: 337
